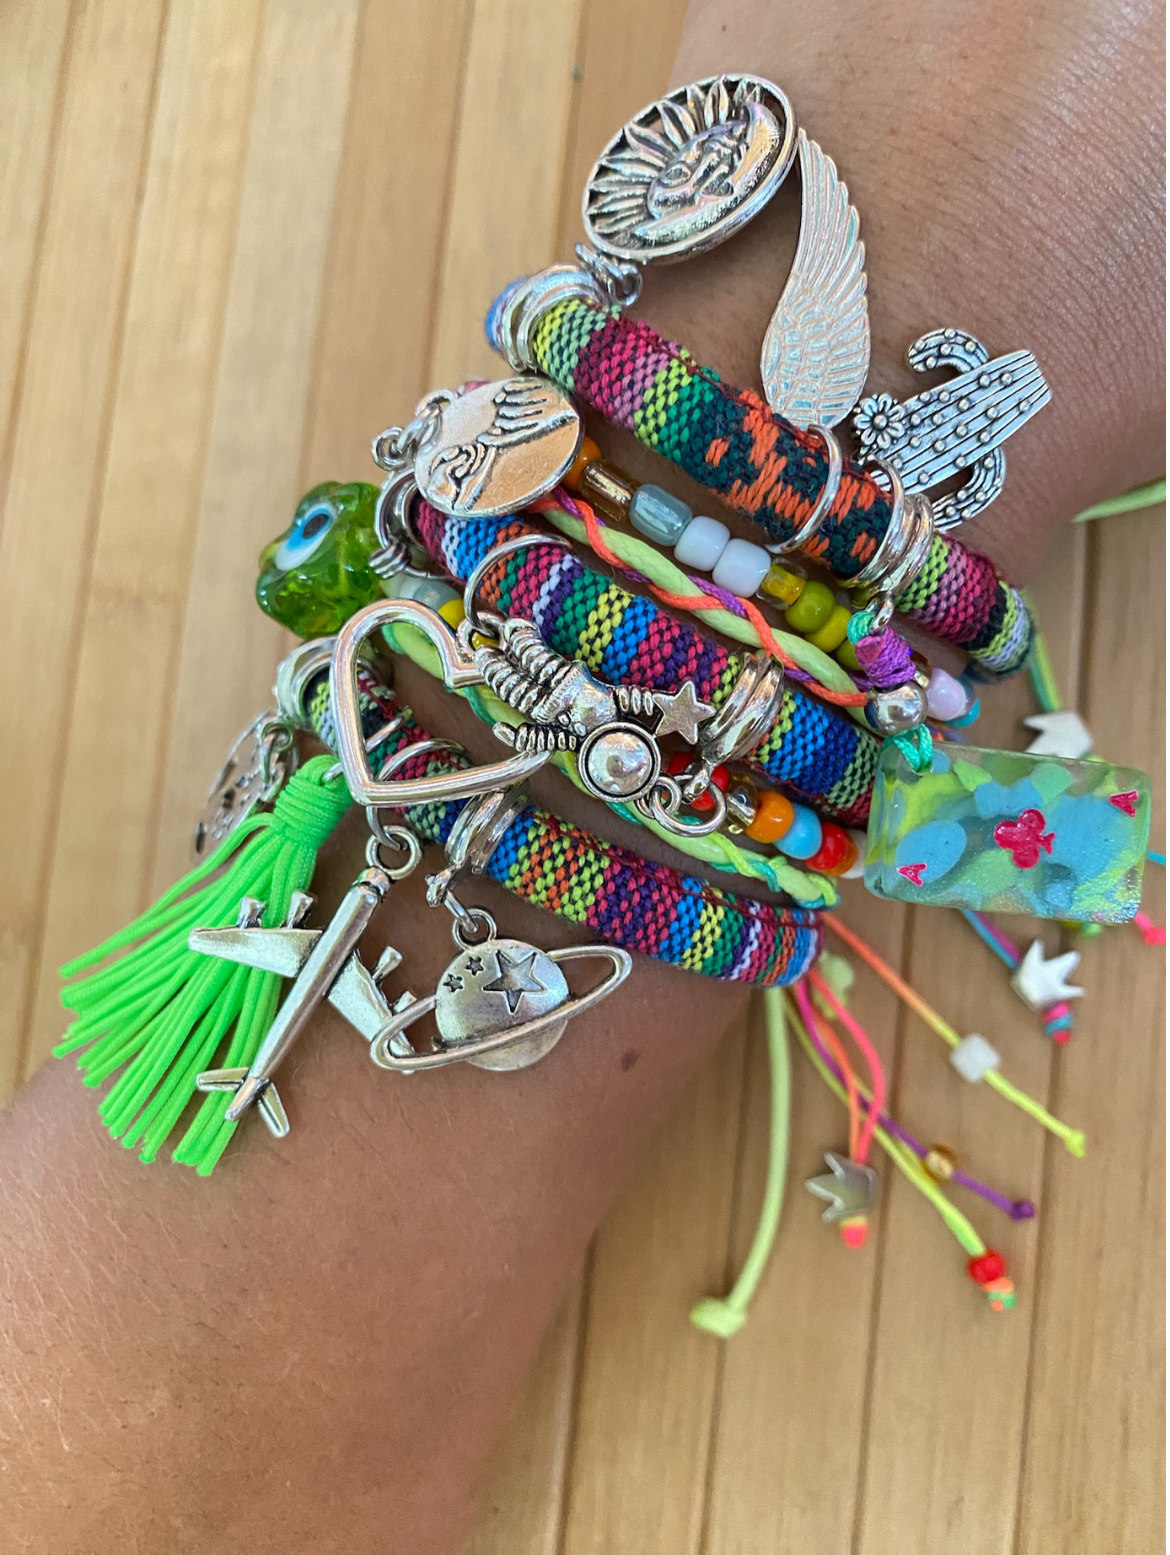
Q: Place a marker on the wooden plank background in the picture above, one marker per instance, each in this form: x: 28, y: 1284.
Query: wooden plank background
x: 237, y: 238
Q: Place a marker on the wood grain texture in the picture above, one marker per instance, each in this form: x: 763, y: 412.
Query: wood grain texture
x: 236, y: 240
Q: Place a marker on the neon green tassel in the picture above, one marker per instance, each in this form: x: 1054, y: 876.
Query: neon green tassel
x: 161, y: 1012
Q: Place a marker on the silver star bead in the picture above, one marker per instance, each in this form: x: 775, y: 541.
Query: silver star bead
x: 849, y: 1187
x: 682, y: 712
x: 515, y: 979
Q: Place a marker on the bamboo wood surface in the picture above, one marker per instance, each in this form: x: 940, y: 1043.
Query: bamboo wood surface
x: 237, y: 238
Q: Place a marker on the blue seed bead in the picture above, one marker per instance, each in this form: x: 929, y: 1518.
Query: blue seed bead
x: 427, y: 591
x: 803, y: 837
x: 657, y: 515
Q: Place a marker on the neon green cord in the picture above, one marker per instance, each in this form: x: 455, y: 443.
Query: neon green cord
x: 717, y: 850
x: 1129, y: 502
x: 727, y: 1316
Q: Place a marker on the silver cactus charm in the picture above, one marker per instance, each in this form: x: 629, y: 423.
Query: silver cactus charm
x: 960, y: 425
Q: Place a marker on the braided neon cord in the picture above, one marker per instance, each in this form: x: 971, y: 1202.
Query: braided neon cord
x: 1073, y: 1139
x: 674, y: 587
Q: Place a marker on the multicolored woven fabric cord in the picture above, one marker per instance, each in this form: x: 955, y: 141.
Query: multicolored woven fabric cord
x: 815, y: 753
x: 730, y: 441
x: 626, y: 900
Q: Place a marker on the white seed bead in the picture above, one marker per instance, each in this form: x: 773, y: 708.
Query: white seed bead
x: 701, y: 543
x: 974, y: 1057
x: 742, y: 568
x: 945, y: 696
x: 857, y: 868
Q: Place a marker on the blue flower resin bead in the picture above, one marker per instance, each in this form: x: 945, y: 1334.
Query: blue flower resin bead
x: 657, y: 515
x: 1002, y: 831
x: 803, y: 837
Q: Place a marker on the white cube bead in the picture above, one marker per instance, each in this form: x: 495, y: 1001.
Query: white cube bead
x: 742, y: 568
x: 974, y: 1057
x: 701, y: 543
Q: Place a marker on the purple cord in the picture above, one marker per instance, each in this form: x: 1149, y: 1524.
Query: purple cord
x: 1017, y: 1209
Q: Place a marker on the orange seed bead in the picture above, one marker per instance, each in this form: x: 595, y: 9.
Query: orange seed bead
x: 588, y: 453
x: 773, y: 817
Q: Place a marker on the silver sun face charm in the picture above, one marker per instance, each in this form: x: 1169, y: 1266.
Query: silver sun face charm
x: 496, y: 449
x: 689, y: 170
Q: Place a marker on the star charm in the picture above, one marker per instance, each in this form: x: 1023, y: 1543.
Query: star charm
x: 849, y: 1188
x: 682, y: 712
x: 515, y: 978
x: 1061, y: 734
x: 1041, y: 983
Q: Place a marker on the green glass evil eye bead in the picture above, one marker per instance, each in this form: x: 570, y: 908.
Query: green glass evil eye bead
x: 812, y: 609
x: 317, y: 573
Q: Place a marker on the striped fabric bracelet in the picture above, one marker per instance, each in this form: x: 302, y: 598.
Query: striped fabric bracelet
x: 818, y: 755
x: 628, y: 901
x: 730, y: 441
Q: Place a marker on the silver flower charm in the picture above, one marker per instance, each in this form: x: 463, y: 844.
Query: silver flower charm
x: 880, y: 421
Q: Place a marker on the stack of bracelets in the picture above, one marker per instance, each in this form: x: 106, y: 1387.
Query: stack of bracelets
x: 761, y: 723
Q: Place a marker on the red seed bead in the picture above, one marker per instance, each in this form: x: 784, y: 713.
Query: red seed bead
x: 987, y: 1267
x: 679, y: 761
x: 836, y: 852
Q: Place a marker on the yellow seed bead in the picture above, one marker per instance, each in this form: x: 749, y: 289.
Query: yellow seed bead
x: 940, y: 1163
x: 812, y: 609
x: 452, y: 612
x: 847, y: 655
x: 773, y: 818
x: 782, y: 585
x: 832, y: 634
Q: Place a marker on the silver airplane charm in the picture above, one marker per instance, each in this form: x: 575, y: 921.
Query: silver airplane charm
x: 960, y: 425
x: 325, y: 965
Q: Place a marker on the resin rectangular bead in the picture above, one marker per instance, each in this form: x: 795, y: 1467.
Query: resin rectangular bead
x: 1002, y: 831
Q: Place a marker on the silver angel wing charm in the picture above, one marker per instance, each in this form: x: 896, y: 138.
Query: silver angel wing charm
x: 816, y: 350
x: 960, y: 425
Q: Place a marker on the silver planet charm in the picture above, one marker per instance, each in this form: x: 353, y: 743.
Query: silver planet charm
x: 690, y: 170
x: 501, y: 1004
x: 496, y: 449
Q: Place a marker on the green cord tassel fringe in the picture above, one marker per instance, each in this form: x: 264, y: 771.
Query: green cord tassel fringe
x: 163, y: 1010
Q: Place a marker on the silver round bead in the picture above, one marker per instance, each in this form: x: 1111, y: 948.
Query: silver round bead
x: 898, y: 709
x: 619, y: 761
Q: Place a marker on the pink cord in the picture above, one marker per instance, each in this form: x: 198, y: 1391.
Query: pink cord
x: 868, y: 1052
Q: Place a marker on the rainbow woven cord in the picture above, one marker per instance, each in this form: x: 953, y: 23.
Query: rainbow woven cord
x: 626, y: 900
x: 815, y: 753
x: 730, y: 441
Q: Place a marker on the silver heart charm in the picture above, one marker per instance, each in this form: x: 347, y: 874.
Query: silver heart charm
x: 459, y: 670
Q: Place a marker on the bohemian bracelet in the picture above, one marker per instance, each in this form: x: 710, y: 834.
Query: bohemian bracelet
x: 721, y: 752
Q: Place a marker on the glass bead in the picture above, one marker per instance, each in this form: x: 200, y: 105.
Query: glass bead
x: 803, y: 838
x: 940, y: 1162
x: 701, y: 543
x: 830, y: 636
x: 945, y: 696
x: 783, y: 586
x: 812, y: 609
x: 432, y: 592
x: 856, y: 870
x: 607, y: 489
x: 742, y: 568
x: 659, y: 516
x: 774, y: 816
x: 835, y: 853
x: 316, y: 574
x: 589, y: 453
x: 1003, y: 831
